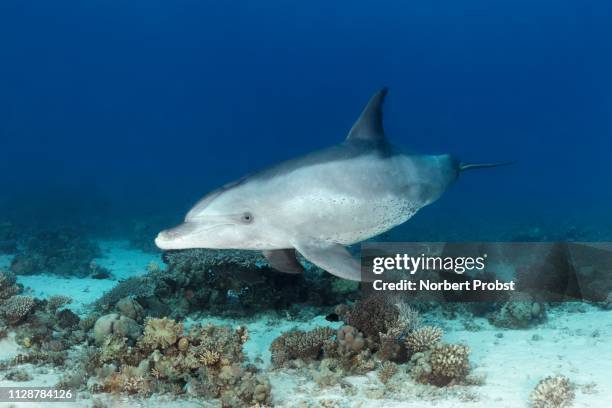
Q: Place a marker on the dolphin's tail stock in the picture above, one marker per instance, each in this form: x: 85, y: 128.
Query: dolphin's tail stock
x: 471, y: 166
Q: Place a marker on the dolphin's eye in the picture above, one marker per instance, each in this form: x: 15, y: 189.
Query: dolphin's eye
x: 247, y: 218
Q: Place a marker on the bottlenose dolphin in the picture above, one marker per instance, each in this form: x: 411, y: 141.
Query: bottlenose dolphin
x: 321, y: 202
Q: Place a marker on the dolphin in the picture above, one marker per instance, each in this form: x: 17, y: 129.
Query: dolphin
x: 321, y: 202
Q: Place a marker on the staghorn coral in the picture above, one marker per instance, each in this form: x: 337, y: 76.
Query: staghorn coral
x: 423, y: 338
x: 297, y: 344
x: 17, y: 308
x: 552, y: 392
x: 161, y: 333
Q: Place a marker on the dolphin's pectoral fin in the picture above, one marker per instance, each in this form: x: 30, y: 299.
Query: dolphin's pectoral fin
x: 283, y: 260
x: 369, y: 125
x: 334, y: 258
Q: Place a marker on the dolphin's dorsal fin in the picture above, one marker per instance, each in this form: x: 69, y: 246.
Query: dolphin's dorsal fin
x: 369, y: 125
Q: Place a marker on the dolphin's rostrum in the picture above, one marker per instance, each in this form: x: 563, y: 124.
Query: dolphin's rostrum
x: 321, y: 202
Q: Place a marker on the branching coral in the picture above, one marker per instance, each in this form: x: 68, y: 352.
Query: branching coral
x: 297, y: 344
x: 17, y: 308
x: 209, y: 357
x: 423, y: 338
x: 449, y: 361
x: 161, y: 333
x: 552, y: 392
x: 442, y: 365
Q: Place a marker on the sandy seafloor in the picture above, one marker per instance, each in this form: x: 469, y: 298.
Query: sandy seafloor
x: 576, y: 344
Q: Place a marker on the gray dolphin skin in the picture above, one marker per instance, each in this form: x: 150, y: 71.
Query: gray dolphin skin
x: 319, y: 203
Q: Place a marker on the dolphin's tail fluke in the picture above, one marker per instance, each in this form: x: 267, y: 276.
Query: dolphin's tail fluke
x: 471, y: 166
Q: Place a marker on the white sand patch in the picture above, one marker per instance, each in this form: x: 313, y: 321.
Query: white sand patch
x: 125, y: 262
x: 122, y: 261
x: 9, y: 347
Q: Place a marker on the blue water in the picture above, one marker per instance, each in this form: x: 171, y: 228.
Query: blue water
x: 117, y: 111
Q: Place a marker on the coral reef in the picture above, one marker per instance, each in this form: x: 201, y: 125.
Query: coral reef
x: 228, y: 282
x: 423, y: 338
x: 161, y: 333
x: 442, y: 365
x: 205, y: 362
x: 16, y: 308
x: 8, y: 286
x: 129, y: 307
x: 519, y: 314
x: 297, y: 344
x: 385, y: 322
x: 552, y: 392
x: 135, y: 288
x: 350, y: 339
x: 387, y: 370
x: 62, y: 252
x: 56, y: 302
x: 114, y: 324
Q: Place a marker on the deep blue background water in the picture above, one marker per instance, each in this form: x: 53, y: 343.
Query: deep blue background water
x: 128, y: 110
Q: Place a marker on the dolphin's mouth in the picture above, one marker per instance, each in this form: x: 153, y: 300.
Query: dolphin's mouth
x: 178, y: 237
